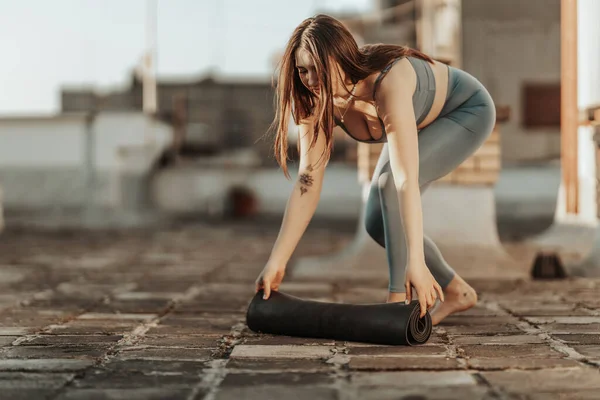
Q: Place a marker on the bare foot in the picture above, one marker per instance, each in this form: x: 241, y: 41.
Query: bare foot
x: 459, y: 296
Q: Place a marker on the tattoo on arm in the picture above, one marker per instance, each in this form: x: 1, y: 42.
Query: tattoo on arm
x: 306, y: 180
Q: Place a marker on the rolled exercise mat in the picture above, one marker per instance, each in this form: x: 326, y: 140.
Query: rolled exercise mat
x: 385, y: 323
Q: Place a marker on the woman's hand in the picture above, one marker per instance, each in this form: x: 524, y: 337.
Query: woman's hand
x: 270, y: 278
x: 419, y: 277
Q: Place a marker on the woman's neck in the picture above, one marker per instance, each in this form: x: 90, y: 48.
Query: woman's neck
x: 362, y: 92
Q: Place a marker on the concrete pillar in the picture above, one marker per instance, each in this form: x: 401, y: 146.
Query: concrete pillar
x: 573, y: 233
x: 589, y: 96
x: 590, y: 266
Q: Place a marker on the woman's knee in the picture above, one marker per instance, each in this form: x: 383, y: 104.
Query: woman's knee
x: 374, y: 212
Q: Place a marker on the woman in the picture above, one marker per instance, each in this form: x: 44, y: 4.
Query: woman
x: 431, y: 117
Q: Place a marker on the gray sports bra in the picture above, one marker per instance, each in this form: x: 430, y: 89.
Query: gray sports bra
x: 422, y: 97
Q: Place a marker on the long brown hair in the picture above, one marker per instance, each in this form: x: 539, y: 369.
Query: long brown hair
x: 324, y: 38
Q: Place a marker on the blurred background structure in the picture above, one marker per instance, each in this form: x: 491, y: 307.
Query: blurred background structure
x: 161, y: 111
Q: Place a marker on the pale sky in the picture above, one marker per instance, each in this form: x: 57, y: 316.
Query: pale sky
x: 46, y: 44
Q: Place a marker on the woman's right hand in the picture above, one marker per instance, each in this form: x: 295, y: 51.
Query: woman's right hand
x: 270, y: 278
x: 427, y: 288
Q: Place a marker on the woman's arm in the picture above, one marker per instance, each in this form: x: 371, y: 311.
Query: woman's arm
x: 305, y: 195
x: 395, y: 107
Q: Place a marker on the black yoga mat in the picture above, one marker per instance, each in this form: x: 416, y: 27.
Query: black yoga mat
x: 385, y: 323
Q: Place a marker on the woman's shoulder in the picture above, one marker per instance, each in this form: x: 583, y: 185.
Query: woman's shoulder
x: 397, y: 77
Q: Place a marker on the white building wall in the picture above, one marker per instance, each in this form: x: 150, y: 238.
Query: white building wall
x: 507, y: 43
x: 42, y: 159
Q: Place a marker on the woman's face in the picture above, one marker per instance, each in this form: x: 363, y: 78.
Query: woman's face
x: 308, y: 73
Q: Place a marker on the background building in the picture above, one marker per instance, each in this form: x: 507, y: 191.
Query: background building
x: 215, y: 114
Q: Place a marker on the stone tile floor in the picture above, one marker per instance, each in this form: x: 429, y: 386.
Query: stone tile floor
x: 161, y: 315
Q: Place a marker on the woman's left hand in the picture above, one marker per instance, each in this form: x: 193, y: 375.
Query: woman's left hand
x: 427, y: 288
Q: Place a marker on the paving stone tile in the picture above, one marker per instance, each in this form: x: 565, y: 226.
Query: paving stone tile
x: 12, y: 274
x: 75, y: 340
x: 37, y: 352
x: 92, y: 327
x: 550, y: 380
x: 138, y: 295
x: 163, y: 284
x: 402, y: 363
x: 127, y: 394
x: 70, y: 305
x: 519, y: 306
x: 180, y: 341
x: 15, y: 330
x: 31, y: 321
x: 428, y: 393
x: 79, y: 289
x: 499, y: 339
x: 278, y: 364
x: 266, y: 392
x: 489, y: 330
x: 208, y: 305
x: 590, y: 351
x: 495, y: 285
x: 155, y: 353
x: 125, y: 307
x: 567, y: 395
x: 238, y: 272
x: 7, y: 340
x: 287, y: 340
x: 157, y: 366
x: 505, y: 351
x: 32, y: 380
x: 28, y: 394
x: 161, y: 258
x: 196, y: 318
x: 234, y: 290
x: 435, y: 340
x: 579, y: 338
x: 102, y: 378
x: 176, y: 272
x: 282, y: 378
x: 571, y: 328
x: 12, y: 299
x: 492, y: 364
x: 554, y: 313
x: 563, y: 320
x: 462, y: 320
x: 200, y: 325
x: 260, y: 351
x: 116, y: 316
x: 593, y: 303
x: 164, y: 330
x: 481, y: 312
x: 65, y: 364
x: 399, y: 351
x: 406, y: 379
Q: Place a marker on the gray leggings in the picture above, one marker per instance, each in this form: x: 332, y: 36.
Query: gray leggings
x: 464, y: 123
